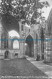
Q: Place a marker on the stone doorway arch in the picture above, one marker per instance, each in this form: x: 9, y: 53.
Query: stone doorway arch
x: 30, y: 46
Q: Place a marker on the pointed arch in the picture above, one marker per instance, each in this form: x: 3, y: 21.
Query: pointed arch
x: 30, y: 46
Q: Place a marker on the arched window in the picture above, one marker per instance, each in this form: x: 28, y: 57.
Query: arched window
x: 15, y: 44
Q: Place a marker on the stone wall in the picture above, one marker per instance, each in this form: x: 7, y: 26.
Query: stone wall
x: 11, y: 54
x: 48, y: 49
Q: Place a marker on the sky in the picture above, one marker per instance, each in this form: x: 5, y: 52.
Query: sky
x: 50, y: 1
x: 47, y: 10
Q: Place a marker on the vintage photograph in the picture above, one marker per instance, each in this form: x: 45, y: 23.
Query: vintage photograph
x: 25, y: 39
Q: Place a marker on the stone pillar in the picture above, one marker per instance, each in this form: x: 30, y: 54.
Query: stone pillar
x: 39, y: 49
x: 0, y: 31
x: 48, y: 49
x: 0, y: 37
x: 10, y: 44
x: 22, y: 42
x: 35, y: 51
x: 38, y: 45
x: 21, y: 53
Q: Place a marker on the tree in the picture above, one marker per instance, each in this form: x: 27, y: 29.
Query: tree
x: 23, y: 9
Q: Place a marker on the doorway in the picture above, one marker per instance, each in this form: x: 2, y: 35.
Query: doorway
x: 6, y: 54
x: 30, y: 46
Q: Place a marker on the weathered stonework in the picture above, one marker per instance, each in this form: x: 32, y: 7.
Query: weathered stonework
x: 34, y: 32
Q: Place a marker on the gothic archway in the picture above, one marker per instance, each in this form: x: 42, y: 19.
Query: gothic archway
x: 30, y: 46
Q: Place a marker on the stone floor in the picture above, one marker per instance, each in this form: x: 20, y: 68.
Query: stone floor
x: 50, y: 64
x: 45, y: 68
x: 20, y: 67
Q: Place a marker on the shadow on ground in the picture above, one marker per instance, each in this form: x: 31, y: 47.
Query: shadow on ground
x: 19, y: 67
